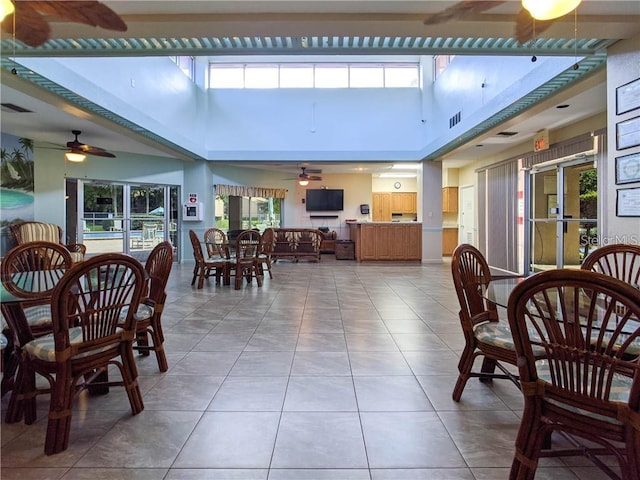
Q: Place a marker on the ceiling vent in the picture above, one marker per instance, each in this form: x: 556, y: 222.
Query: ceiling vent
x: 10, y: 107
x: 506, y: 134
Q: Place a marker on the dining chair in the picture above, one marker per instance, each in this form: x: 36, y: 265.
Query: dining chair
x: 485, y: 336
x: 94, y: 328
x: 618, y: 260
x: 30, y: 231
x: 149, y: 313
x: 215, y: 242
x: 205, y: 268
x: 29, y: 272
x: 266, y: 249
x: 585, y: 386
x: 245, y: 262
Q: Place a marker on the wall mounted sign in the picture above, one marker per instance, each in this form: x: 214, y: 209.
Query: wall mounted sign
x: 628, y: 168
x: 628, y: 97
x: 628, y: 202
x: 628, y: 133
x: 541, y: 140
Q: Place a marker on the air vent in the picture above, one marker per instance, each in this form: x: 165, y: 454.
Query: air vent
x: 10, y: 107
x: 506, y: 134
x: 453, y: 121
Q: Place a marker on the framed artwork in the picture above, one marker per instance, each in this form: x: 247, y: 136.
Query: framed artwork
x: 628, y: 202
x: 628, y: 168
x: 628, y: 97
x: 628, y: 133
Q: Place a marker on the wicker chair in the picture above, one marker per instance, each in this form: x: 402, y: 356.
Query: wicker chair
x: 586, y: 386
x: 484, y: 335
x: 245, y: 263
x: 29, y: 271
x: 205, y: 268
x: 24, y: 232
x: 88, y: 337
x: 149, y: 313
x: 266, y: 248
x: 215, y: 241
x: 617, y: 260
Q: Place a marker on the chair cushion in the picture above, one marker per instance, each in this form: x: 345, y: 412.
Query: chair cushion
x: 620, y: 388
x: 44, y: 347
x: 494, y: 333
x: 38, y: 316
x: 144, y: 312
x: 35, y: 232
x: 77, y: 257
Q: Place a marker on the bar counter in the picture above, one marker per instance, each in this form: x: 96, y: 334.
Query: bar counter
x: 384, y: 241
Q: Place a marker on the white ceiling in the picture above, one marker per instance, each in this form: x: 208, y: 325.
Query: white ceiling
x: 55, y: 119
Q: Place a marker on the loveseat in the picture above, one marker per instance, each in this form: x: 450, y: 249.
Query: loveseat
x: 293, y: 243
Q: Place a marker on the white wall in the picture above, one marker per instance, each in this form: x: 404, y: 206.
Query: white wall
x: 460, y: 89
x: 149, y: 91
x: 623, y: 66
x: 315, y: 124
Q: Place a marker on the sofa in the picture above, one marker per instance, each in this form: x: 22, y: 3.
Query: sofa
x: 292, y: 243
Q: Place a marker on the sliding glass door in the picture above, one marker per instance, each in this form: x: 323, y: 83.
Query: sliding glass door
x: 563, y: 215
x: 125, y: 218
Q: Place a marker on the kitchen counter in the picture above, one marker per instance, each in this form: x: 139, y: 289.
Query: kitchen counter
x: 383, y: 241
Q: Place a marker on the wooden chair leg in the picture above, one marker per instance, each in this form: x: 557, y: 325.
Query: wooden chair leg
x: 60, y: 409
x: 142, y: 340
x: 158, y: 347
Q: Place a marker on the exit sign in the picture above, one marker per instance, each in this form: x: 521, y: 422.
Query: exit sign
x: 541, y: 140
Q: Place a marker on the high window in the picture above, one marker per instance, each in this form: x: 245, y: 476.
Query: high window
x: 314, y: 75
x: 186, y: 63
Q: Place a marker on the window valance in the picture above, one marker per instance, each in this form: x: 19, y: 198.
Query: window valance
x: 244, y: 191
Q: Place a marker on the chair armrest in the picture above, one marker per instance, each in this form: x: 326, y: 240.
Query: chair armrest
x: 77, y: 247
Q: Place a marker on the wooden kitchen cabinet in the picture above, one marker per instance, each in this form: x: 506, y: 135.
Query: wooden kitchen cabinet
x: 449, y: 241
x: 404, y: 202
x: 381, y: 207
x: 387, y: 241
x: 449, y: 199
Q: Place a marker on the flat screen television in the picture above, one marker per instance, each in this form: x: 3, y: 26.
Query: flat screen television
x: 325, y: 200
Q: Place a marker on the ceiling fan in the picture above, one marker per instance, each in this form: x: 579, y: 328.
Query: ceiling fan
x: 78, y: 148
x: 304, y: 178
x: 526, y: 26
x: 32, y: 27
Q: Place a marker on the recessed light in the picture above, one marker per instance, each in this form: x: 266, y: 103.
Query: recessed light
x: 564, y: 105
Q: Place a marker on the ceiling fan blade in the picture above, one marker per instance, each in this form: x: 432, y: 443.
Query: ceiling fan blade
x: 461, y: 9
x: 98, y: 152
x: 91, y: 13
x: 31, y: 28
x: 314, y: 178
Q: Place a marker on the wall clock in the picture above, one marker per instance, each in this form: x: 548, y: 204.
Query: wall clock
x: 397, y: 185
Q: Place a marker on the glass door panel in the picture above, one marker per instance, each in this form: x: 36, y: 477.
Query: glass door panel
x: 147, y: 204
x: 580, y: 219
x: 542, y: 220
x: 103, y: 221
x: 563, y: 215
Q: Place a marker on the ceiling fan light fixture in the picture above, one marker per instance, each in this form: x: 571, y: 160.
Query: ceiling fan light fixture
x: 75, y: 157
x: 303, y: 182
x: 6, y: 8
x: 549, y: 9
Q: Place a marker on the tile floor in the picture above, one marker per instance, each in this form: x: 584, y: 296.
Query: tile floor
x: 334, y: 370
